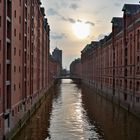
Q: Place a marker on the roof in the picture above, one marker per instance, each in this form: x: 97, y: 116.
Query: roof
x: 117, y: 21
x: 90, y: 46
x: 131, y: 8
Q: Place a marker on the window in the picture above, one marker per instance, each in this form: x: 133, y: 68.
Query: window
x: 138, y: 59
x: 14, y: 87
x: 130, y: 70
x: 0, y: 93
x: 19, y: 36
x: 19, y: 69
x: 13, y: 112
x: 138, y: 70
x: 19, y: 2
x: 0, y: 21
x: 15, y: 13
x: 0, y: 45
x: 19, y: 85
x: 19, y: 52
x: 137, y: 99
x: 125, y: 72
x: 14, y: 32
x: 125, y: 84
x: 125, y: 96
x: 14, y: 51
x: 0, y: 124
x: 14, y: 68
x: 138, y: 40
x: 130, y: 86
x: 120, y: 83
x: 20, y: 19
x: 137, y: 86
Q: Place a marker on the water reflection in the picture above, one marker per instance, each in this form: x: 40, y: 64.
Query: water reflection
x: 114, y: 122
x: 68, y: 118
x: 74, y: 112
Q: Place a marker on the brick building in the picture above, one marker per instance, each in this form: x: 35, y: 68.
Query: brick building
x: 76, y: 68
x: 24, y: 59
x: 2, y: 81
x: 54, y: 69
x: 112, y: 65
x: 57, y: 55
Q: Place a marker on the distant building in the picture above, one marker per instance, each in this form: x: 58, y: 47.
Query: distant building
x: 57, y: 55
x: 54, y: 69
x: 76, y: 68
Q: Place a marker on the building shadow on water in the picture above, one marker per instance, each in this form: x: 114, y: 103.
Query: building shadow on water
x: 111, y: 121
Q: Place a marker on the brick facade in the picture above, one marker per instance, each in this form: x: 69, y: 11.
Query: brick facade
x: 112, y: 65
x: 24, y: 59
x: 76, y: 68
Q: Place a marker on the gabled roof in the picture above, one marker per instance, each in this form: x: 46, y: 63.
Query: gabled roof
x: 131, y: 8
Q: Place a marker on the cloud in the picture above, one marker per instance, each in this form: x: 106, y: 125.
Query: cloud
x: 89, y: 22
x: 101, y: 36
x: 74, y: 6
x: 63, y: 4
x: 78, y: 20
x: 52, y: 12
x: 117, y: 4
x: 58, y: 36
x: 71, y: 20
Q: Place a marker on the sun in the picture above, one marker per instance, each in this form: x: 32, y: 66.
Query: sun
x: 81, y: 30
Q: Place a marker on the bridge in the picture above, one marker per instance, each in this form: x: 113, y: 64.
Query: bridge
x: 67, y: 77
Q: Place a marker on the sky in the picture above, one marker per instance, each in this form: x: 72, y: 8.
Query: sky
x: 75, y: 23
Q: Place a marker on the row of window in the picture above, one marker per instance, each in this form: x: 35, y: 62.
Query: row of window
x: 16, y: 33
x: 19, y: 86
x: 119, y: 83
x: 18, y: 108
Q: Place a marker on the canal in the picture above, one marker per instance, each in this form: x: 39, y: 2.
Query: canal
x: 75, y: 112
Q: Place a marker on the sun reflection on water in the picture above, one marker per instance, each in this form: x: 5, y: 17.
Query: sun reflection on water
x: 68, y: 118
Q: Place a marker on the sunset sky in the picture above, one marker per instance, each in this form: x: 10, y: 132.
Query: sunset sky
x: 75, y: 23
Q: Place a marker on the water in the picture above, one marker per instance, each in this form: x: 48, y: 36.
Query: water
x: 74, y: 113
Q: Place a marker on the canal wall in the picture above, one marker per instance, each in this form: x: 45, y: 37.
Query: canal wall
x: 28, y: 114
x: 107, y: 93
